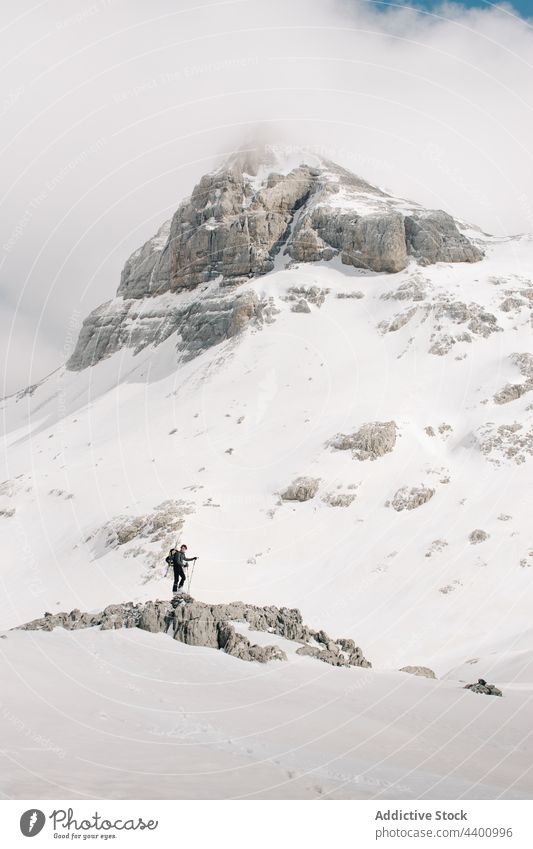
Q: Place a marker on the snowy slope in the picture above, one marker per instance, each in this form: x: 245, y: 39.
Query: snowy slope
x: 103, y: 437
x: 221, y: 436
x: 137, y: 715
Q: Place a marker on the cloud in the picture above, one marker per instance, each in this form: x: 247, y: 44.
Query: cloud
x: 112, y: 110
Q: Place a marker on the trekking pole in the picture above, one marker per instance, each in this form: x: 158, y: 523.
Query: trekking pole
x: 191, y: 576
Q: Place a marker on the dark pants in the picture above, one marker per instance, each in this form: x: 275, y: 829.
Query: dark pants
x: 179, y: 578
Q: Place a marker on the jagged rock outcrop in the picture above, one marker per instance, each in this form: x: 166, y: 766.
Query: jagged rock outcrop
x: 137, y: 275
x: 233, y: 225
x: 236, y: 221
x: 374, y: 241
x: 481, y: 686
x: 513, y: 391
x: 372, y: 440
x: 133, y: 323
x: 212, y: 625
x: 433, y: 236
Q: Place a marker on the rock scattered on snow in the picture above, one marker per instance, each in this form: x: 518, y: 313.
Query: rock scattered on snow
x: 512, y: 391
x: 163, y: 523
x: 312, y: 294
x: 410, y: 499
x: 505, y: 442
x: 527, y: 561
x: 344, y: 295
x: 372, y: 440
x: 414, y: 289
x: 481, y: 686
x: 510, y: 304
x: 436, y: 546
x: 301, y: 489
x: 444, y: 310
x: 442, y: 345
x: 444, y: 429
x: 421, y: 671
x: 450, y: 588
x: 398, y: 321
x: 301, y: 306
x: 476, y: 536
x: 339, y: 499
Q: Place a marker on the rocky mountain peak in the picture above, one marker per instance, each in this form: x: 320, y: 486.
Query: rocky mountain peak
x: 256, y: 212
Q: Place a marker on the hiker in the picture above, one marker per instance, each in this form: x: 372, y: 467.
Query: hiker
x: 179, y: 561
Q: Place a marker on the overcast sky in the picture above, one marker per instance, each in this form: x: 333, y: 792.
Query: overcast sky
x: 112, y: 109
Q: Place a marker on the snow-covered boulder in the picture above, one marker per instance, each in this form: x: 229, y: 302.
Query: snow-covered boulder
x: 421, y: 671
x: 301, y: 489
x: 370, y: 441
x: 407, y: 498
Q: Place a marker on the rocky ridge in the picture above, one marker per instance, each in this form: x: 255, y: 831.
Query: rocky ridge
x: 213, y: 625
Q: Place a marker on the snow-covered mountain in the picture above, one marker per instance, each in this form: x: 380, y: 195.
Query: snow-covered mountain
x: 327, y: 392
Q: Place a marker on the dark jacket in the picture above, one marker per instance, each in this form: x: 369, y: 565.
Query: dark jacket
x: 180, y: 559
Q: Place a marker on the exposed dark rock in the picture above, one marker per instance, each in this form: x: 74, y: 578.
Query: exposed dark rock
x: 482, y: 687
